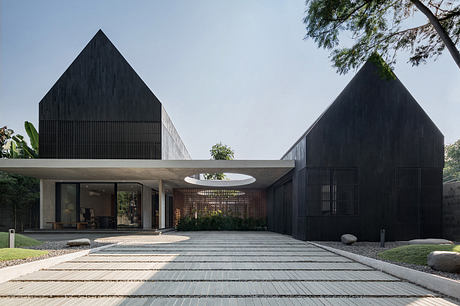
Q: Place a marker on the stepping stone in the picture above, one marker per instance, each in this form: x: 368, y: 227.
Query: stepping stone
x: 430, y: 241
x: 79, y: 242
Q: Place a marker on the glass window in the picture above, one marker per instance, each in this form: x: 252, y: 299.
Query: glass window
x: 129, y: 207
x: 332, y: 191
x: 97, y: 205
x: 68, y: 204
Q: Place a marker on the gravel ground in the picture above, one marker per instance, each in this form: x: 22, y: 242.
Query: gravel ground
x: 54, y: 248
x: 371, y: 249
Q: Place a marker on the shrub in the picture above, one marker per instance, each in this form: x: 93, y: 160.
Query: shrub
x: 216, y: 220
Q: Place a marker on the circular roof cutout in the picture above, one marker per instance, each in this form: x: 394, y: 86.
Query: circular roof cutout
x: 237, y: 180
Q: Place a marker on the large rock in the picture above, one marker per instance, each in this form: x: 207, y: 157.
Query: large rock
x: 348, y: 239
x: 430, y: 241
x: 78, y: 242
x: 444, y: 261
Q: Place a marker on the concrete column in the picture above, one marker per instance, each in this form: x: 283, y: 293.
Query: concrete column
x: 161, y: 205
x: 146, y: 207
x: 47, y: 203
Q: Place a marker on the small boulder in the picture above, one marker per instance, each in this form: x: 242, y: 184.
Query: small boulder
x: 444, y: 261
x: 79, y: 242
x: 430, y: 241
x: 348, y: 239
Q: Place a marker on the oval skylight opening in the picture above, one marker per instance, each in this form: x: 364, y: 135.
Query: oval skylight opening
x: 231, y: 180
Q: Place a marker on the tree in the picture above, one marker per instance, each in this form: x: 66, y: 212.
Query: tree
x: 219, y: 151
x: 18, y: 193
x: 452, y: 162
x: 384, y: 27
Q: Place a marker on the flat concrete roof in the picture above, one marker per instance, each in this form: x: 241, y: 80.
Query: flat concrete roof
x: 173, y: 172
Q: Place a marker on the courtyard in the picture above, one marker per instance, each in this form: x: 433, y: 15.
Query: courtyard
x: 209, y: 268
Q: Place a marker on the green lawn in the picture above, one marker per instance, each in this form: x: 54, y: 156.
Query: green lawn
x: 20, y: 241
x: 9, y: 254
x: 415, y: 254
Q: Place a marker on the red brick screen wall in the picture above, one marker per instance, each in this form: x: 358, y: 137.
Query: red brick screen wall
x: 244, y: 203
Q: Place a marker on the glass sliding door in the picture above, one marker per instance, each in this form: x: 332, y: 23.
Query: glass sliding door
x: 66, y: 209
x: 129, y: 208
x: 97, y: 205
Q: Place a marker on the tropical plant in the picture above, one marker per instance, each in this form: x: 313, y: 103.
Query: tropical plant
x: 219, y: 151
x: 384, y: 27
x: 18, y: 194
x: 15, y: 146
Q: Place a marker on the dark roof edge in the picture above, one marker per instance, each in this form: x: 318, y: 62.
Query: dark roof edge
x: 329, y: 107
x: 98, y: 33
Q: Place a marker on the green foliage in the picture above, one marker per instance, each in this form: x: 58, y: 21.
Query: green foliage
x: 219, y: 151
x: 384, y: 69
x: 15, y: 146
x: 380, y: 26
x: 216, y: 220
x: 452, y: 162
x: 12, y: 254
x: 416, y: 254
x: 17, y: 195
x: 20, y: 241
x: 5, y: 141
x: 33, y: 136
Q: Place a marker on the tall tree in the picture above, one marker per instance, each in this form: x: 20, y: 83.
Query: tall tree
x: 452, y: 162
x: 384, y: 27
x: 219, y: 151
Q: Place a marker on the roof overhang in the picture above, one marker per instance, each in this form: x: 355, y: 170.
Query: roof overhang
x: 173, y: 172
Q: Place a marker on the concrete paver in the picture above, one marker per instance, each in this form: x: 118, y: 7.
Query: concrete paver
x: 214, y: 268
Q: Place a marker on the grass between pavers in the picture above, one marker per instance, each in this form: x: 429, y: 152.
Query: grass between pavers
x: 17, y: 253
x: 416, y: 254
x: 19, y: 241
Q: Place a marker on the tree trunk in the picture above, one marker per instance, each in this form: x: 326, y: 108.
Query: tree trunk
x: 440, y: 30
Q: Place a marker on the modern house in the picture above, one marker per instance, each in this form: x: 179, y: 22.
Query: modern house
x: 110, y: 157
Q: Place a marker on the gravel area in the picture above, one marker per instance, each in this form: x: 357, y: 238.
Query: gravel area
x: 371, y: 249
x: 54, y: 248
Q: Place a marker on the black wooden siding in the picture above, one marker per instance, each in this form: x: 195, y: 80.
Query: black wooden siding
x: 100, y: 108
x: 376, y: 127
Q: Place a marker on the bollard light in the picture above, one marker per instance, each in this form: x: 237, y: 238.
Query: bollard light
x: 382, y: 238
x: 11, y: 236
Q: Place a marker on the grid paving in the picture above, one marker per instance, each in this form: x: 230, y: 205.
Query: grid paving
x: 214, y: 268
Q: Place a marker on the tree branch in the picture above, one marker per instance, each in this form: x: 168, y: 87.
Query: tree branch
x: 440, y: 30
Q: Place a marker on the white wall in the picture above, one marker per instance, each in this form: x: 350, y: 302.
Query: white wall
x: 47, y: 203
x: 146, y: 207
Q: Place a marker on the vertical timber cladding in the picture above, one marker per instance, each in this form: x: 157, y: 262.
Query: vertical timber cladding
x: 362, y: 144
x: 100, y: 139
x: 244, y: 203
x: 100, y: 108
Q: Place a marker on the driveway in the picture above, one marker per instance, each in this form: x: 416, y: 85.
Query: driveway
x: 209, y: 268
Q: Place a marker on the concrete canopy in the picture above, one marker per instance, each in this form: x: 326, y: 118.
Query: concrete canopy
x: 172, y: 172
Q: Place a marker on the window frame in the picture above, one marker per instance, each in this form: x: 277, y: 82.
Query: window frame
x: 331, y: 200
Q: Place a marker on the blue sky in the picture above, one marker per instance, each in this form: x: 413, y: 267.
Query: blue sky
x: 232, y: 71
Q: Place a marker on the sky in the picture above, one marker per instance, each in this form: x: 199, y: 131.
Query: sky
x: 237, y: 72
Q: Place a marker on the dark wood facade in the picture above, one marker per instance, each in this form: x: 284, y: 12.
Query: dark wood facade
x: 100, y: 108
x: 373, y: 160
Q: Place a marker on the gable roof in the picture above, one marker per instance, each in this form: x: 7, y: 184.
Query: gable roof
x: 371, y: 77
x: 100, y: 85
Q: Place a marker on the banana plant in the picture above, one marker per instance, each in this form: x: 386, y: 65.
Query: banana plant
x: 33, y: 136
x: 15, y: 146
